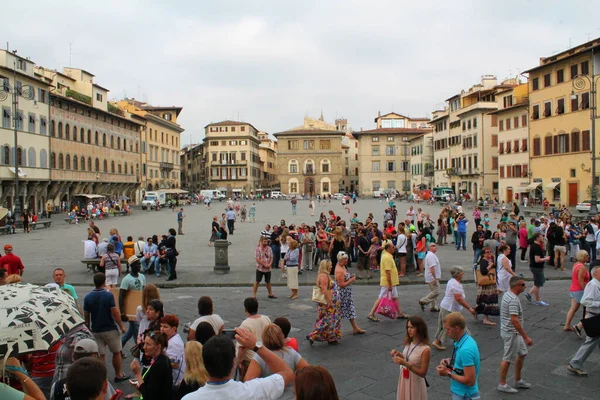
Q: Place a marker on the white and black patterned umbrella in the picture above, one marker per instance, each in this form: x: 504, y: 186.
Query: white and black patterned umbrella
x: 32, y: 318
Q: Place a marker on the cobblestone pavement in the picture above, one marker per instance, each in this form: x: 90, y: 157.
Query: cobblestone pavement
x: 61, y: 245
x: 361, y: 365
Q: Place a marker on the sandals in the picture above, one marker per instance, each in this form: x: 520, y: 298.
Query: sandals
x: 438, y: 346
x: 272, y: 296
x: 490, y: 323
x: 294, y: 297
x: 360, y: 332
x: 372, y: 318
x: 402, y: 316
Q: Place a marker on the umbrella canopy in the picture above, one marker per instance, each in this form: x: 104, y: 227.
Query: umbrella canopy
x: 123, y: 198
x: 32, y: 318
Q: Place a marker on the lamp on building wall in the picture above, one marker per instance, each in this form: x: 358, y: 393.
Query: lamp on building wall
x: 580, y: 82
x: 28, y: 93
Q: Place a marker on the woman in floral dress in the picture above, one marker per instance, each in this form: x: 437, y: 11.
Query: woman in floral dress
x: 344, y: 281
x: 328, y: 325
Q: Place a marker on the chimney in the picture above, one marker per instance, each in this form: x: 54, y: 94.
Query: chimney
x: 379, y: 113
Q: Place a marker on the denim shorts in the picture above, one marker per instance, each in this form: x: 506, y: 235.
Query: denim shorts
x: 576, y: 295
x: 475, y: 396
x: 421, y: 255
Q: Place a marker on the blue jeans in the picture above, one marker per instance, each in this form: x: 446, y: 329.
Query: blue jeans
x: 132, y: 332
x: 476, y: 254
x: 476, y: 396
x: 585, y: 350
x: 462, y: 238
x: 276, y: 255
x: 293, y: 209
x: 146, y: 264
x: 592, y: 250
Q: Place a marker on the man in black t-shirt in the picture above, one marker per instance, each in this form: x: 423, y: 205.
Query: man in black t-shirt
x: 537, y: 258
x: 363, y: 253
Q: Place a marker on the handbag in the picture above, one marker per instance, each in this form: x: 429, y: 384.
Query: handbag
x: 318, y: 296
x: 137, y: 350
x: 592, y: 326
x: 387, y: 307
x: 484, y: 280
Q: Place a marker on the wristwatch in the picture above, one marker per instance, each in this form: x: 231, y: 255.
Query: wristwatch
x: 258, y: 346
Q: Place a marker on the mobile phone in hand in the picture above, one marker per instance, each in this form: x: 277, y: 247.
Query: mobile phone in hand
x: 229, y: 333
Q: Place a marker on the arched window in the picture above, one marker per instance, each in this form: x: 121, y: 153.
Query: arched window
x: 60, y: 130
x: 309, y: 167
x: 31, y: 156
x: 75, y: 163
x: 293, y: 167
x: 90, y: 164
x: 125, y: 144
x: 5, y: 155
x: 125, y: 168
x: 67, y: 132
x: 119, y: 169
x: 104, y: 140
x: 61, y: 164
x: 112, y: 167
x: 82, y: 163
x: 53, y: 160
x: 74, y: 133
x: 52, y: 128
x: 548, y: 144
x: 97, y: 169
x: 68, y: 162
x: 112, y: 142
x: 105, y: 166
x: 82, y: 135
x: 19, y: 156
x: 43, y: 159
x: 118, y: 143
x: 89, y: 138
x: 96, y: 139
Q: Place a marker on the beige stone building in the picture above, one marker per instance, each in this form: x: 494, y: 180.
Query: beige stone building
x: 233, y: 157
x: 160, y: 144
x: 267, y: 151
x: 310, y: 158
x: 31, y: 117
x: 94, y: 146
x: 421, y: 161
x: 193, y: 168
x: 384, y: 153
x: 441, y: 147
x: 510, y: 136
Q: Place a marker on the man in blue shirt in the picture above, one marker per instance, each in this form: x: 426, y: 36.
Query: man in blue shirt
x: 102, y: 317
x: 230, y: 220
x: 463, y: 367
x: 180, y: 218
x: 461, y: 229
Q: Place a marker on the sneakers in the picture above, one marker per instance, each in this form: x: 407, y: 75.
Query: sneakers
x: 506, y: 389
x: 576, y: 371
x: 542, y: 303
x: 422, y: 306
x: 528, y: 297
x: 522, y: 384
x: 577, y: 331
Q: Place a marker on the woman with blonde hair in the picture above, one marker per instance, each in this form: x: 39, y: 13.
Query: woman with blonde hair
x: 291, y: 259
x: 195, y: 375
x: 328, y: 325
x: 344, y: 281
x: 579, y: 279
x: 274, y: 340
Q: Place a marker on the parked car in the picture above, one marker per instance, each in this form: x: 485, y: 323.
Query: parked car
x: 585, y: 206
x: 338, y: 196
x: 290, y: 196
x: 277, y: 195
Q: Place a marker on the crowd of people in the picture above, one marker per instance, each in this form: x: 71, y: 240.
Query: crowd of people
x: 98, y: 210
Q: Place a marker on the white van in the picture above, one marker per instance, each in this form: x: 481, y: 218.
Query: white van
x: 277, y: 195
x: 151, y: 197
x: 213, y: 194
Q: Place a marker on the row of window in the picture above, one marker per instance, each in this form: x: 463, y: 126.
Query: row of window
x: 513, y: 171
x: 389, y: 151
x: 579, y: 101
x: 509, y: 123
x: 82, y: 110
x: 467, y: 124
x: 79, y: 164
x: 42, y: 94
x: 32, y: 121
x: 166, y: 155
x: 513, y: 147
x: 390, y: 166
x: 293, y: 186
x: 164, y: 137
x: 391, y: 185
x: 229, y: 142
x: 23, y: 158
x: 226, y: 129
x: 441, y: 163
x: 469, y: 162
x: 560, y: 76
x: 309, y: 167
x: 228, y: 173
x: 163, y: 174
x: 562, y: 143
x: 324, y: 144
x: 69, y: 134
x: 388, y: 139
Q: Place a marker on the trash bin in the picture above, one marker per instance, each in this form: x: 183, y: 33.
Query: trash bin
x: 221, y: 257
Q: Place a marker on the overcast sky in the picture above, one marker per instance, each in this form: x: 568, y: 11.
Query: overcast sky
x: 270, y: 62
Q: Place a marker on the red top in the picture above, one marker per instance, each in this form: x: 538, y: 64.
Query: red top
x: 293, y: 343
x: 575, y: 286
x: 12, y: 264
x: 44, y: 362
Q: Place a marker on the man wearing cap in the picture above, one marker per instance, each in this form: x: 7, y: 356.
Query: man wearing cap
x: 132, y: 281
x: 11, y: 263
x: 83, y: 348
x: 3, y: 276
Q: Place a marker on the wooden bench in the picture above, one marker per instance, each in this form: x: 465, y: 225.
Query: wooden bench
x: 532, y: 213
x: 69, y: 220
x: 120, y: 213
x: 93, y: 263
x: 45, y: 222
x: 5, y: 230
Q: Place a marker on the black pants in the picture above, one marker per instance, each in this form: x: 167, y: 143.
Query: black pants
x: 230, y: 223
x: 523, y: 251
x: 513, y: 255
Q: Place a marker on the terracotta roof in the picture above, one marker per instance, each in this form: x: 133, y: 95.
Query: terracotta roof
x: 414, y: 131
x: 565, y: 55
x: 438, y: 118
x: 229, y: 122
x: 308, y: 132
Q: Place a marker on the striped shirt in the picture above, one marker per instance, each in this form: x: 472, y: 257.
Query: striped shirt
x: 265, y: 255
x: 510, y: 306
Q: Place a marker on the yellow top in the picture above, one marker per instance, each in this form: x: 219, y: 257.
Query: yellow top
x: 388, y: 264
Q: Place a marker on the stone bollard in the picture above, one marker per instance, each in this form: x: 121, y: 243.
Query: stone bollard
x: 221, y: 257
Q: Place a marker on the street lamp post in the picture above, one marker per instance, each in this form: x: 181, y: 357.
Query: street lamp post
x: 579, y: 83
x: 28, y: 93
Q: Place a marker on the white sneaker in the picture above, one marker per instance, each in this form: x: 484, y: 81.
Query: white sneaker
x: 506, y: 389
x: 522, y: 384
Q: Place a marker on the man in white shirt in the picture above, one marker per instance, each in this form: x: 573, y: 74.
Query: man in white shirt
x: 103, y: 247
x: 138, y: 247
x: 89, y: 249
x: 433, y: 273
x: 219, y: 354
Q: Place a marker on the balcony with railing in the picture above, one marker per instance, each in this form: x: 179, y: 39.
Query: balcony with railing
x: 467, y: 171
x: 223, y: 163
x: 166, y: 166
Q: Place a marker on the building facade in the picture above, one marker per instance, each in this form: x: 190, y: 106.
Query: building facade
x: 560, y: 124
x: 267, y: 151
x: 193, y: 168
x: 29, y: 116
x: 233, y: 162
x: 441, y: 149
x: 384, y: 153
x: 422, y: 162
x: 510, y: 136
x: 94, y: 146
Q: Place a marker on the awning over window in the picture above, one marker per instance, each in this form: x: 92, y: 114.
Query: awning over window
x: 552, y: 185
x: 522, y: 189
x: 533, y: 185
x: 22, y: 174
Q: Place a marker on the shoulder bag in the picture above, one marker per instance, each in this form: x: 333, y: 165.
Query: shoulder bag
x: 484, y: 280
x: 592, y: 326
x: 318, y: 296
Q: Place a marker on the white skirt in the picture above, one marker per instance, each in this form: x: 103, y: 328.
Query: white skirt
x: 112, y: 276
x: 292, y: 279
